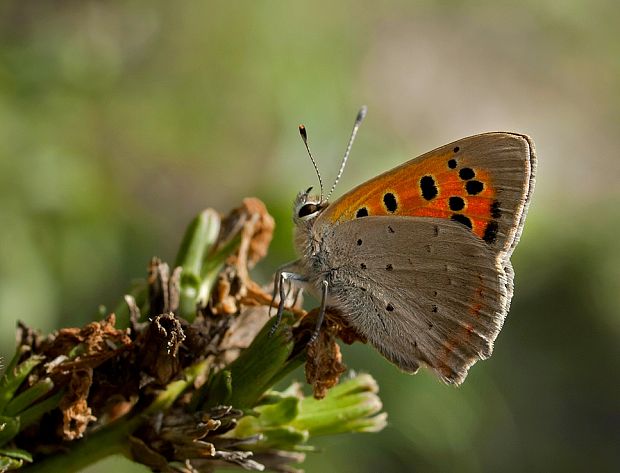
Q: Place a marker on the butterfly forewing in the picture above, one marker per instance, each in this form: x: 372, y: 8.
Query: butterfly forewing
x: 482, y: 182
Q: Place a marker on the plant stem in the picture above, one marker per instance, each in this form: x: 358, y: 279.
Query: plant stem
x: 106, y: 442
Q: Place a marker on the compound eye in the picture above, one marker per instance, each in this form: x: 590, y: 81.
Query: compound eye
x: 307, y: 209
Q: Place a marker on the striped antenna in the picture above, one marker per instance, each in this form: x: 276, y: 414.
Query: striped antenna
x: 304, y: 137
x: 358, y: 121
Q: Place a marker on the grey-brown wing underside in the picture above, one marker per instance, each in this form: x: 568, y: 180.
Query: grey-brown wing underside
x: 422, y: 290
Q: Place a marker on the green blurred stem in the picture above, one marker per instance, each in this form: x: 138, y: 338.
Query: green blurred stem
x: 199, y: 238
x: 114, y: 439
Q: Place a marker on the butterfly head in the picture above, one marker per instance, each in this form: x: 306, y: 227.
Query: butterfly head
x: 307, y: 207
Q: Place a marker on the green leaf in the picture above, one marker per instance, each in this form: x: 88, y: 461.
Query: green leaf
x: 9, y: 428
x: 286, y: 438
x: 279, y: 413
x: 29, y: 396
x: 12, y: 380
x: 257, y: 369
x: 246, y: 427
x: 217, y: 391
x: 348, y: 407
x: 34, y: 413
x: 366, y: 424
x: 337, y: 412
x: 11, y: 366
x: 8, y: 463
x: 174, y: 389
x: 16, y: 453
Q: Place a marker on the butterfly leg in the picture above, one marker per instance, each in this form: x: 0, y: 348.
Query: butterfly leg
x: 298, y: 291
x: 278, y: 281
x: 282, y: 277
x: 321, y: 316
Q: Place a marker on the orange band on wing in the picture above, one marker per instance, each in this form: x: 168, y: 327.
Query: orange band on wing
x: 433, y: 186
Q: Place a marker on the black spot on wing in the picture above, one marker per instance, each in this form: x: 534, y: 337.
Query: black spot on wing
x: 389, y: 200
x: 456, y: 203
x: 363, y: 212
x: 452, y: 163
x: 490, y: 232
x: 474, y: 187
x: 467, y: 173
x: 461, y: 219
x: 428, y: 187
x: 496, y: 211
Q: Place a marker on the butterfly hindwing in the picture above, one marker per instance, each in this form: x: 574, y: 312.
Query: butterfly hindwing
x: 421, y: 290
x: 482, y: 182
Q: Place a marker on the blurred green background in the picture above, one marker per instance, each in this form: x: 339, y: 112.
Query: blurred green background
x: 119, y: 121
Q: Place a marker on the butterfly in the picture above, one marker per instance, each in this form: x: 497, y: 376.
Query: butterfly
x: 417, y: 260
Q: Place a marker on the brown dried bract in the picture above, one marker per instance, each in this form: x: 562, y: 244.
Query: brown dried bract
x: 160, y: 347
x: 229, y: 290
x: 73, y: 354
x: 255, y: 226
x: 186, y: 437
x: 76, y: 414
x: 323, y: 360
x: 88, y: 347
x: 324, y: 364
x: 163, y: 287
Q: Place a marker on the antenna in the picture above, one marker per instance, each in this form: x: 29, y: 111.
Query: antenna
x: 358, y: 121
x: 304, y: 136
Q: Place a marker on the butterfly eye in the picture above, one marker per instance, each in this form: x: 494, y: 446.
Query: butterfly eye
x: 307, y: 209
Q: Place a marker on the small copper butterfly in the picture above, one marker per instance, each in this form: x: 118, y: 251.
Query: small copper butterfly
x: 417, y: 260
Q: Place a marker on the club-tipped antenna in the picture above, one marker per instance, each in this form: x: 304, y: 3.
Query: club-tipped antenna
x: 358, y: 121
x: 304, y: 137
